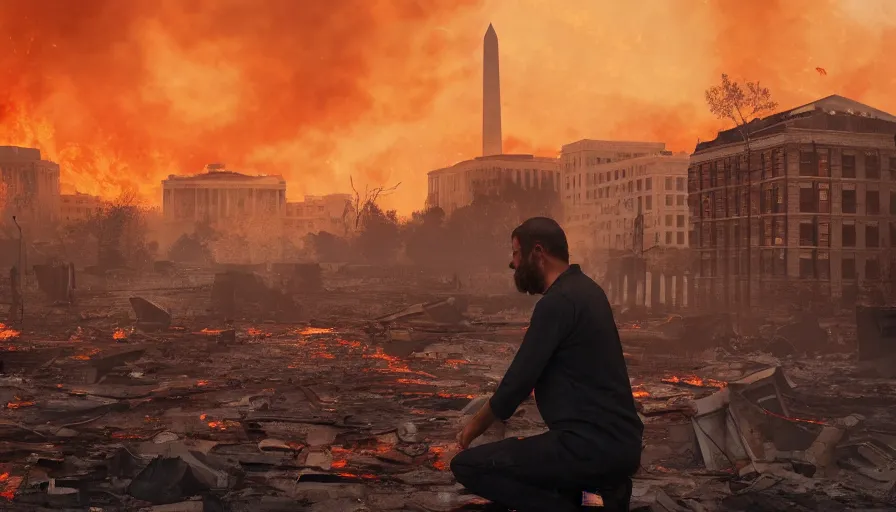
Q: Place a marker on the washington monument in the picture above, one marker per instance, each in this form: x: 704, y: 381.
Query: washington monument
x: 491, y: 96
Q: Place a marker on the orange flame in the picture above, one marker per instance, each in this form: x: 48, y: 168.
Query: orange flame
x: 119, y: 334
x: 19, y: 404
x: 693, y: 380
x: 310, y: 331
x: 8, y: 333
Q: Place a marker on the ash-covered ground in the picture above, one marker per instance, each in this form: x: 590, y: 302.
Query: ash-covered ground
x: 347, y: 394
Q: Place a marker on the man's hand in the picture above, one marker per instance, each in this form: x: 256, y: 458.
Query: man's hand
x: 477, y: 425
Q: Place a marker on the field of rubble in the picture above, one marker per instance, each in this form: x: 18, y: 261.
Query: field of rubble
x: 191, y: 390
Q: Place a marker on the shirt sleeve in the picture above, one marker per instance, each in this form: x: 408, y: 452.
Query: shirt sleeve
x: 551, y: 322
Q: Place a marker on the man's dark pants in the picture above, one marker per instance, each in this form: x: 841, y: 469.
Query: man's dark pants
x: 543, y: 472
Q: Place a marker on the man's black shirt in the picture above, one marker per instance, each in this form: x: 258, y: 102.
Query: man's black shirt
x: 572, y: 357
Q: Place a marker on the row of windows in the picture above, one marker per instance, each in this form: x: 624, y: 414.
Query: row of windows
x: 623, y: 240
x: 815, y: 234
x: 591, y: 179
x: 773, y: 262
x: 817, y: 200
x: 818, y: 163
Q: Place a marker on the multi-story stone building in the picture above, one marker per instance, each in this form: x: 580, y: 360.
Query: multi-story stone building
x: 456, y: 186
x: 79, y: 207
x: 30, y: 186
x: 218, y: 195
x: 604, y: 184
x: 813, y: 212
x: 332, y: 213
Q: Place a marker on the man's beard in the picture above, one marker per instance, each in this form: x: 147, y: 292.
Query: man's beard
x: 528, y: 278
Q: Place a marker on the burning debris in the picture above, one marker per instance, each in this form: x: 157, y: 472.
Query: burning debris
x: 360, y: 403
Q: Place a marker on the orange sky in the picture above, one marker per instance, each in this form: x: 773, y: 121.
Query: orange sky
x: 123, y: 93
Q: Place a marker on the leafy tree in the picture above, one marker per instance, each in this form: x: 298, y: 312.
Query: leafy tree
x: 741, y: 105
x: 329, y: 247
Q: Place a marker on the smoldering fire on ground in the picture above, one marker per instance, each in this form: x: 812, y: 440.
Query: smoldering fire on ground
x: 257, y: 386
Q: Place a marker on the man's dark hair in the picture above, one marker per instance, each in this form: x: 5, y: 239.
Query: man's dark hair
x: 545, y: 232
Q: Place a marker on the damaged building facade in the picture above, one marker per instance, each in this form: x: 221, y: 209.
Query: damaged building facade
x: 455, y: 187
x: 626, y: 216
x: 79, y: 207
x: 332, y: 213
x: 31, y: 185
x: 811, y: 215
x: 219, y: 195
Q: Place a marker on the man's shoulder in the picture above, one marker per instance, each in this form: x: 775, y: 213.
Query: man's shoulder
x: 579, y: 287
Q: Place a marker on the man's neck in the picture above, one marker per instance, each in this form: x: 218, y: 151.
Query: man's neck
x: 552, y: 272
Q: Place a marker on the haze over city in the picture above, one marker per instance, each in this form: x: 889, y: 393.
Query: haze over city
x: 121, y: 94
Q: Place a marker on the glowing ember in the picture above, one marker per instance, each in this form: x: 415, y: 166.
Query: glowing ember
x: 640, y: 393
x: 438, y: 454
x: 9, y: 485
x: 202, y: 416
x: 693, y: 380
x: 350, y: 344
x: 19, y: 404
x: 322, y: 355
x: 257, y: 332
x: 201, y: 383
x: 210, y: 332
x: 125, y: 435
x: 456, y: 363
x: 418, y: 382
x: 119, y: 334
x: 310, y: 331
x: 339, y: 464
x: 7, y: 333
x: 795, y: 420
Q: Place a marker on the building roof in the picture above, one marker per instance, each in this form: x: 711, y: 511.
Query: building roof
x: 497, y: 159
x: 216, y: 172
x: 830, y: 106
x: 603, y: 145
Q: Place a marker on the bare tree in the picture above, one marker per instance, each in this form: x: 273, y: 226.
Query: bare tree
x: 742, y: 105
x: 361, y: 203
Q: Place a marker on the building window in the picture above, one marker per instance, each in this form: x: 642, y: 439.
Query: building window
x: 872, y: 166
x: 669, y: 199
x: 669, y: 183
x: 806, y: 164
x: 648, y: 183
x: 648, y: 203
x: 892, y: 167
x: 679, y: 184
x: 872, y: 202
x: 807, y: 233
x: 892, y: 203
x: 872, y: 268
x: 668, y: 220
x: 638, y: 186
x: 808, y: 204
x: 679, y: 238
x: 679, y: 221
x: 807, y: 267
x: 823, y: 265
x: 668, y: 238
x: 872, y: 235
x: 848, y: 166
x: 848, y: 201
x: 848, y: 235
x: 848, y: 268
x: 680, y: 199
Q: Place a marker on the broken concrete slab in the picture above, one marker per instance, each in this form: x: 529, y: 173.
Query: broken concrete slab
x: 150, y: 316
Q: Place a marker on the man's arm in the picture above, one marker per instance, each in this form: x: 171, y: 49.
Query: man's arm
x: 551, y: 323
